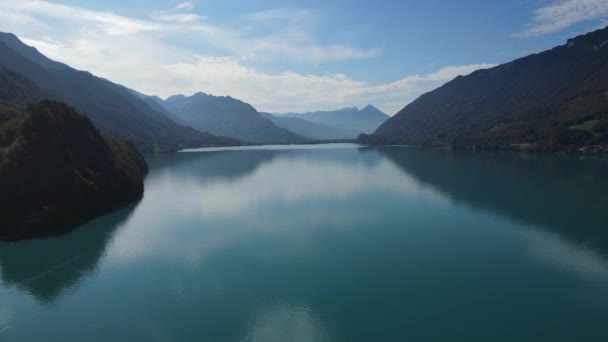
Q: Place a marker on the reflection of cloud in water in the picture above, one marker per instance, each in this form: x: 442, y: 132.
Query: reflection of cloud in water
x: 6, y: 318
x: 567, y: 256
x: 151, y: 235
x: 273, y: 148
x: 286, y: 179
x: 284, y: 322
x: 296, y: 180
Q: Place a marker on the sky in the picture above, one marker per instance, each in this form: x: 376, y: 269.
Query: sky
x: 295, y: 56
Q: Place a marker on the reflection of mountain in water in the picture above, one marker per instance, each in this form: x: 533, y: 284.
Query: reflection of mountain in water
x: 565, y: 194
x: 46, y: 268
x: 221, y: 164
x: 235, y: 164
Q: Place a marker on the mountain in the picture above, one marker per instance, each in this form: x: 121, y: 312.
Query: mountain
x: 224, y: 115
x: 158, y: 104
x: 308, y: 129
x: 113, y: 108
x: 351, y: 121
x: 16, y: 89
x: 57, y: 170
x: 556, y: 100
x: 173, y: 98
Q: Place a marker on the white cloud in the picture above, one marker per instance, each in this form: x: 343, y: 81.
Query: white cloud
x: 602, y: 24
x: 188, y: 5
x: 294, y: 42
x: 182, y: 18
x: 286, y: 322
x: 289, y: 91
x: 6, y: 318
x: 153, y: 68
x: 106, y: 21
x: 138, y: 54
x: 565, y: 255
x: 560, y: 14
x: 177, y: 14
x: 209, y: 199
x: 334, y: 181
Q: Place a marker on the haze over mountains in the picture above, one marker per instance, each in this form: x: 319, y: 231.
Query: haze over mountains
x: 549, y: 101
x: 230, y: 117
x: 226, y: 116
x: 345, y: 123
x: 152, y: 123
x: 112, y: 107
x: 556, y: 100
x: 308, y: 129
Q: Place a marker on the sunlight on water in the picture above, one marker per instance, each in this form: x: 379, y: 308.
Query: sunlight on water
x: 284, y: 322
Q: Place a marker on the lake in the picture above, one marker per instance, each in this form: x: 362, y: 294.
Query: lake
x: 328, y: 243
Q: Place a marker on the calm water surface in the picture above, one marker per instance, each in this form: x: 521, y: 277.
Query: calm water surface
x: 328, y: 243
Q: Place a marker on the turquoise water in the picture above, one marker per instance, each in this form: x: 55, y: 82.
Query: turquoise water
x: 328, y: 243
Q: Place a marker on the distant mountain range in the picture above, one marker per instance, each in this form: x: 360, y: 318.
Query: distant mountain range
x: 226, y: 116
x: 158, y: 105
x: 556, y: 100
x: 308, y: 129
x: 114, y: 109
x: 345, y: 123
x: 152, y: 123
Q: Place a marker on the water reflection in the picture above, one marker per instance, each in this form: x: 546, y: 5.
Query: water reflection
x: 234, y: 164
x: 216, y: 165
x: 566, y: 255
x: 46, y: 268
x: 354, y: 244
x: 562, y: 199
x: 564, y: 194
x: 259, y: 177
x: 286, y: 322
x: 195, y: 190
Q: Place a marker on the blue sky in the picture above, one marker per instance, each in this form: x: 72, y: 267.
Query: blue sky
x: 285, y: 56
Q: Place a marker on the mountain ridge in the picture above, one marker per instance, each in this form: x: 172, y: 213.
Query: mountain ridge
x: 349, y: 121
x: 227, y: 116
x: 556, y: 100
x: 112, y: 107
x: 308, y: 129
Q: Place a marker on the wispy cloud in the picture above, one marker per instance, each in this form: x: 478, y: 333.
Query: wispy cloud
x: 138, y: 54
x: 295, y: 43
x: 105, y: 21
x: 188, y: 5
x: 560, y: 14
x: 181, y: 18
x: 164, y: 71
x: 181, y: 14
